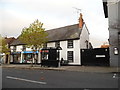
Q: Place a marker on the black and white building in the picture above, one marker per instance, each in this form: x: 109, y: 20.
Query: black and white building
x: 71, y: 39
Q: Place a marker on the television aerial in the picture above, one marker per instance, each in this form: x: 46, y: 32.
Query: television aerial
x: 78, y: 10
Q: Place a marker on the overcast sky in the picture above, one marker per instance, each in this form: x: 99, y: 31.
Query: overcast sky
x: 17, y: 14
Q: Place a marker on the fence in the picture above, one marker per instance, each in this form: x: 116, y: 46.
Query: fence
x: 95, y: 57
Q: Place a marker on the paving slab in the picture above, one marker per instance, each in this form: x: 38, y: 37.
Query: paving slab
x: 98, y: 69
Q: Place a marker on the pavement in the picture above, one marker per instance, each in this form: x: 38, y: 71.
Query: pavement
x: 97, y: 69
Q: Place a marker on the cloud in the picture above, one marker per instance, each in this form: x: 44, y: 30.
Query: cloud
x: 12, y: 23
x: 17, y: 14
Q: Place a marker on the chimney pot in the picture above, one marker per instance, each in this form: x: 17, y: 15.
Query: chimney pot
x: 80, y: 21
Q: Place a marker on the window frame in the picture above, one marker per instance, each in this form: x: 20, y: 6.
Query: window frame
x: 57, y: 44
x: 70, y: 56
x: 70, y: 44
x: 44, y: 45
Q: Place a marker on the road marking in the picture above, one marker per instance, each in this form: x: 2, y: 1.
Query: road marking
x: 15, y: 78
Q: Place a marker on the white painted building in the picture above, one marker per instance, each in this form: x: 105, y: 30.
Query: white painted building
x: 71, y: 46
x: 70, y: 38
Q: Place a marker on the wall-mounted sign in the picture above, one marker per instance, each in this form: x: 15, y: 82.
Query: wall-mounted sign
x: 44, y: 51
x: 100, y: 55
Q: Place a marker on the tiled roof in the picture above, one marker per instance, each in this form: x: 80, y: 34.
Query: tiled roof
x: 59, y: 34
x: 9, y: 40
x: 64, y: 33
x: 17, y: 42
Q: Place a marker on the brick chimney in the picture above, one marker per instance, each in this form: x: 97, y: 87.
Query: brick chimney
x: 81, y: 21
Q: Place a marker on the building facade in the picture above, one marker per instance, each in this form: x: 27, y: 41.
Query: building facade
x: 71, y: 39
x: 20, y: 53
x: 112, y: 12
x: 71, y: 44
x: 5, y: 56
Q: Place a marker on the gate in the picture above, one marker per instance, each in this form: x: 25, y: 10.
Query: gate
x: 95, y: 57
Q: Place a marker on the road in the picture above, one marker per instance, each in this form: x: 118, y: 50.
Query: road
x: 28, y: 78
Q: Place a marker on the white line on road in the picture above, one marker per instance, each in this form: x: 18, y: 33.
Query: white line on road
x: 15, y: 78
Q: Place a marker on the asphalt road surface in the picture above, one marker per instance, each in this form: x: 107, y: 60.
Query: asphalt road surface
x: 27, y: 78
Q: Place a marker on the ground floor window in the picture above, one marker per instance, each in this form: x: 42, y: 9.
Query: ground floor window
x: 70, y: 56
x: 44, y: 54
x: 16, y: 58
x: 27, y: 58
